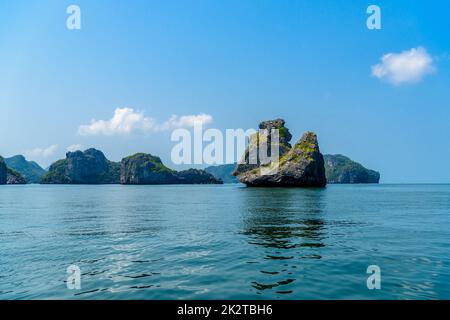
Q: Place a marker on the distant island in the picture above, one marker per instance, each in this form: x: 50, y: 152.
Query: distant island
x: 92, y: 167
x: 223, y: 172
x: 339, y: 169
x: 299, y: 165
x: 30, y: 170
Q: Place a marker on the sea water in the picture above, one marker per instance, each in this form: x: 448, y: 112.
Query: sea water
x: 224, y: 242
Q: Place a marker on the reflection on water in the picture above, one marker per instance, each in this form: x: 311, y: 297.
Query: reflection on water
x: 288, y: 225
x: 224, y: 242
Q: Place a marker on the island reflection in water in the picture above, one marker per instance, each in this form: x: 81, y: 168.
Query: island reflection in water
x: 224, y: 241
x: 288, y: 225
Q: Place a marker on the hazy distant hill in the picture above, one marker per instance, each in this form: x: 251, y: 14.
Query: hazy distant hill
x: 30, y: 170
x: 223, y: 172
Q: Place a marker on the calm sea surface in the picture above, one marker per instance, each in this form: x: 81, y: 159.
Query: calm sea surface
x: 225, y: 242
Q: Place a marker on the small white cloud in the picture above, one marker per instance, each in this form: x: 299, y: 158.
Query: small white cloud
x: 406, y: 67
x: 42, y: 152
x: 74, y: 147
x: 185, y: 121
x: 126, y: 121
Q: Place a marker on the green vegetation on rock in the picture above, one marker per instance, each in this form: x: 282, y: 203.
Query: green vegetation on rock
x: 56, y: 173
x: 14, y: 177
x: 30, y: 170
x: 3, y: 171
x: 144, y: 168
x: 88, y: 167
x: 341, y: 169
x: 8, y: 175
x: 298, y: 166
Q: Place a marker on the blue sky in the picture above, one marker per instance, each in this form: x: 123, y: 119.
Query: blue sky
x: 309, y: 62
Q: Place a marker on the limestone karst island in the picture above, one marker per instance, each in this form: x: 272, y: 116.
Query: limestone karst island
x: 299, y: 165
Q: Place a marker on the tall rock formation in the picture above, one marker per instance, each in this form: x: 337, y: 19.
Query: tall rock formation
x: 299, y: 166
x: 88, y: 167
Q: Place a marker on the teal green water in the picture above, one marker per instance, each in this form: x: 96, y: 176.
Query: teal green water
x: 225, y: 242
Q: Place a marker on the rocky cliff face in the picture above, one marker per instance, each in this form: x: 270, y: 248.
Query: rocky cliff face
x: 298, y: 166
x: 341, y: 169
x: 88, y: 167
x: 144, y: 168
x: 92, y: 167
x: 147, y: 169
x: 30, y: 170
x: 2, y: 171
x: 8, y: 175
x: 251, y: 161
x: 14, y: 177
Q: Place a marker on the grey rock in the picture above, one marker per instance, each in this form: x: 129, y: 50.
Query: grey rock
x: 299, y: 166
x: 144, y: 168
x: 14, y: 177
x: 88, y: 167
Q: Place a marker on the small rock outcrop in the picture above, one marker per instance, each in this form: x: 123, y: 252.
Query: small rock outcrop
x: 88, y: 167
x: 144, y: 168
x: 299, y: 166
x: 30, y: 170
x: 341, y: 169
x: 14, y: 177
x: 3, y: 171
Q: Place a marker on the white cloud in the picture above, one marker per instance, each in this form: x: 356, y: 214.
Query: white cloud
x: 42, y: 152
x: 185, y: 121
x: 409, y: 66
x: 74, y: 147
x: 126, y: 121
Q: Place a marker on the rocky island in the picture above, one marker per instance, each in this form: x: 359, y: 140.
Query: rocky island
x: 92, y: 167
x: 88, y: 167
x: 299, y: 166
x: 144, y: 168
x: 341, y: 169
x: 3, y: 171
